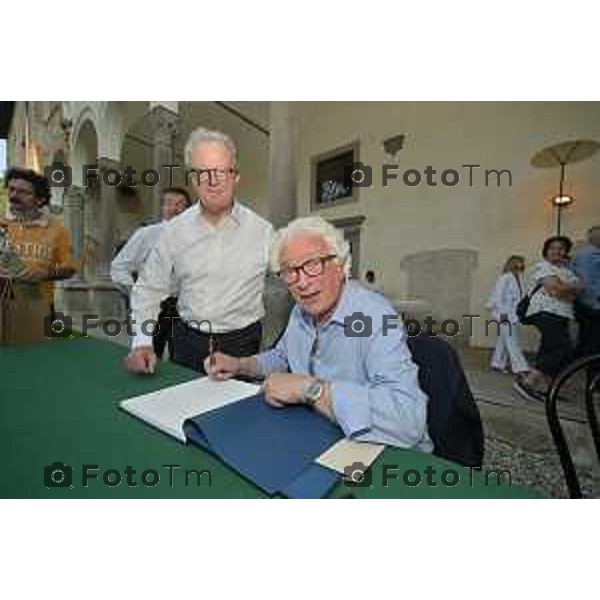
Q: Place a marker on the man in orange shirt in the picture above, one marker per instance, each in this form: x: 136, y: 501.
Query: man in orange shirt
x: 37, y: 246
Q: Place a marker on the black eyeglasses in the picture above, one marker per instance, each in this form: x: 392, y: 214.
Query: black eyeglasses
x: 211, y: 175
x: 313, y: 267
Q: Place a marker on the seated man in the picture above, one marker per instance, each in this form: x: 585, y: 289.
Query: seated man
x: 328, y: 358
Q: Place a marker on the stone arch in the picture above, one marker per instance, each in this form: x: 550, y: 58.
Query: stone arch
x: 79, y: 114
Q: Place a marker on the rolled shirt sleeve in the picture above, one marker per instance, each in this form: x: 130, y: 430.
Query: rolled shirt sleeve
x: 276, y: 359
x: 128, y: 260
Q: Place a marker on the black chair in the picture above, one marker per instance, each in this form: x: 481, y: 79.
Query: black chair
x: 453, y: 419
x: 591, y: 365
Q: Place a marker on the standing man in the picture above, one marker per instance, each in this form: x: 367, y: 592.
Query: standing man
x: 125, y: 268
x: 39, y: 242
x: 217, y: 251
x: 335, y: 355
x: 587, y: 306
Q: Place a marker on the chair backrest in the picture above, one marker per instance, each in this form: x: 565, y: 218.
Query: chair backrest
x: 453, y: 418
x: 591, y: 365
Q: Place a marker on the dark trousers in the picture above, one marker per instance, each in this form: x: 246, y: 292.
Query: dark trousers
x: 556, y: 349
x: 589, y: 331
x: 589, y: 334
x: 191, y: 347
x: 166, y: 317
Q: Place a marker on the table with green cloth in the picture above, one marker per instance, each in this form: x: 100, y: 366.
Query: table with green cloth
x: 59, y: 403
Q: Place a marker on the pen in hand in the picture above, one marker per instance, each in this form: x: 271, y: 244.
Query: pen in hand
x: 211, y: 352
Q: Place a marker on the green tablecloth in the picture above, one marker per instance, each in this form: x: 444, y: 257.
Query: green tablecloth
x: 59, y: 403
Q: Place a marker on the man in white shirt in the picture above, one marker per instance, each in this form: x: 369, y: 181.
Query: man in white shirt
x: 217, y: 252
x: 128, y: 263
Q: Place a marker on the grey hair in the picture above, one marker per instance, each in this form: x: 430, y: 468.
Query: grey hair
x: 315, y: 226
x: 202, y: 136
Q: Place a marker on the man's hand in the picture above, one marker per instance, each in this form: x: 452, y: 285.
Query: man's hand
x: 221, y: 366
x: 141, y: 360
x: 59, y: 272
x: 281, y: 389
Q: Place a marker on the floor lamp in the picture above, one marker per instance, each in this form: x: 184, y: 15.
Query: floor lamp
x: 561, y: 155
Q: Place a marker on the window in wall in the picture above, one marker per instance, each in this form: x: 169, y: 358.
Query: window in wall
x: 331, y: 172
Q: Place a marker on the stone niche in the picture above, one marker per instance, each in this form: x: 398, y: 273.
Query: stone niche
x: 442, y: 278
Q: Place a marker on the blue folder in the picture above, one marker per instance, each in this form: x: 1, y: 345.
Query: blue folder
x: 274, y: 448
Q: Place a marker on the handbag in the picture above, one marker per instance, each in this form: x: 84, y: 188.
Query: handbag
x: 523, y: 305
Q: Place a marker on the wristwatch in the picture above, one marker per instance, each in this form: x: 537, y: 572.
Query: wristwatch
x: 313, y: 392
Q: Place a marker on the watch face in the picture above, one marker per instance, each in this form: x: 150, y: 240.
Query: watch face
x: 313, y: 392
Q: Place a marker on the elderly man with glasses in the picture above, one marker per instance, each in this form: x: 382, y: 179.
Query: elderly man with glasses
x: 335, y: 355
x: 216, y: 255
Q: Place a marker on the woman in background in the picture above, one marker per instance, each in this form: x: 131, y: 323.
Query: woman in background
x: 507, y: 293
x: 552, y: 289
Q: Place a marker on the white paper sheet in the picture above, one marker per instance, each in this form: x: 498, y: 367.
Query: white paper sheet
x: 347, y: 452
x: 167, y: 409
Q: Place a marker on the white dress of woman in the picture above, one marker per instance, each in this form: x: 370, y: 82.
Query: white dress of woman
x: 502, y: 303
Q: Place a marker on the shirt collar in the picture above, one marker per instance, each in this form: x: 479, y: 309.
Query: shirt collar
x: 41, y: 221
x: 235, y: 215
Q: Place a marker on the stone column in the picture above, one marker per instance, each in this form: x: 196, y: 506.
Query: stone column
x: 106, y: 215
x: 165, y: 125
x: 282, y: 171
x: 73, y: 200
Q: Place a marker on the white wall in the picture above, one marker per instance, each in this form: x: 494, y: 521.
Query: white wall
x: 493, y: 221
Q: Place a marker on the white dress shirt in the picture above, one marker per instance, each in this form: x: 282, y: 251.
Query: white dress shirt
x: 219, y: 271
x: 134, y: 254
x: 541, y: 301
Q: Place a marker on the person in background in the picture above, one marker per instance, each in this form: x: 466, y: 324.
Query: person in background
x: 39, y: 242
x: 370, y: 282
x: 552, y: 287
x: 502, y: 303
x: 586, y: 265
x: 367, y: 384
x: 128, y: 263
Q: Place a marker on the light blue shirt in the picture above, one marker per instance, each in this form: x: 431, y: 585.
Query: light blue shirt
x: 375, y: 390
x: 587, y: 266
